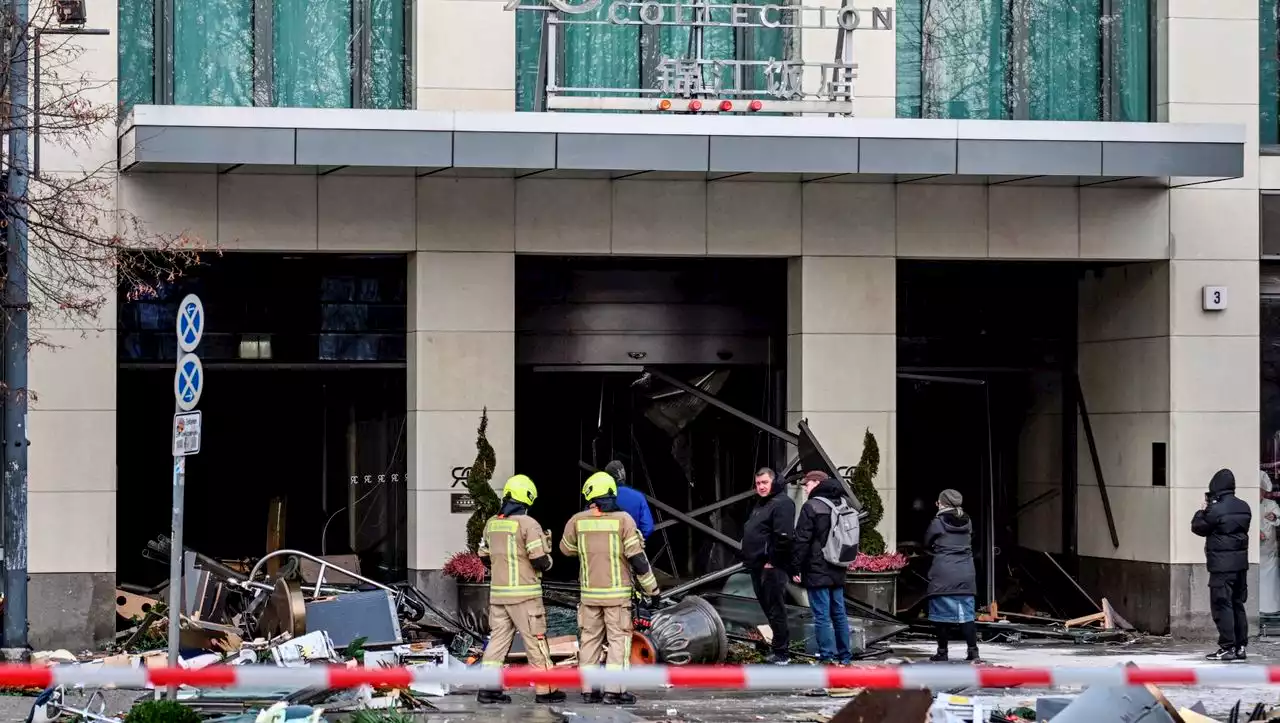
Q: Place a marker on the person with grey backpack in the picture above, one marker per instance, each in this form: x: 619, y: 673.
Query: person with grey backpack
x: 826, y: 544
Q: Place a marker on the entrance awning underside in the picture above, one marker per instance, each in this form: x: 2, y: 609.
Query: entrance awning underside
x: 582, y: 145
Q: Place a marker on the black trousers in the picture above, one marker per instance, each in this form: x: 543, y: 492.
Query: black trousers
x: 770, y: 585
x: 1228, y: 592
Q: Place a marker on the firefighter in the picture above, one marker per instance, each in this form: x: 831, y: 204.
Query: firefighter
x: 610, y: 551
x: 518, y: 552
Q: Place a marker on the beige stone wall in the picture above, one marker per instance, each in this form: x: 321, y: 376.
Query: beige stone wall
x: 72, y: 370
x: 842, y: 361
x: 1213, y: 357
x: 1124, y: 376
x: 461, y: 361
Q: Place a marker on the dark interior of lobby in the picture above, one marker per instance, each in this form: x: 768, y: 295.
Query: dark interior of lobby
x: 328, y: 399
x: 306, y: 360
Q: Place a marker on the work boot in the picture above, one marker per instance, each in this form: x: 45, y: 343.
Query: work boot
x: 1224, y: 653
x: 591, y: 697
x: 492, y: 697
x: 619, y: 699
x: 941, y: 655
x: 972, y: 655
x: 555, y: 696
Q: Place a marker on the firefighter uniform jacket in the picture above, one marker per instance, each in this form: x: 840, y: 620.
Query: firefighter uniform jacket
x: 609, y: 549
x: 513, y: 544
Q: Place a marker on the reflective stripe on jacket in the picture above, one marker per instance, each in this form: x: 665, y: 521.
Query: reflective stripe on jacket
x: 511, y: 543
x: 607, y: 545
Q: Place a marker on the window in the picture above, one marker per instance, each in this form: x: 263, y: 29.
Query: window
x: 596, y: 54
x: 1268, y: 71
x: 290, y: 53
x: 1025, y: 59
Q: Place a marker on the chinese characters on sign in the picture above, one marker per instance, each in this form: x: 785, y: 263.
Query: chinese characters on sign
x: 783, y: 79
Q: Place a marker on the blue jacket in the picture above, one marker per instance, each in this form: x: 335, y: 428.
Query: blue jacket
x: 633, y: 503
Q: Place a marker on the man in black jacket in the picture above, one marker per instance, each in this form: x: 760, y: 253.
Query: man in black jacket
x: 1223, y: 520
x: 766, y: 553
x: 823, y: 580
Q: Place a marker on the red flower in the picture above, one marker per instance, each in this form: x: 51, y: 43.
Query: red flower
x: 465, y: 566
x: 888, y: 562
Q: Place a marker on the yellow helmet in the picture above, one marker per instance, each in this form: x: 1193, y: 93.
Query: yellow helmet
x: 521, y: 489
x: 599, y: 485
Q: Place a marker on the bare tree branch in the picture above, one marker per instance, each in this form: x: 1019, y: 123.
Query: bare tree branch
x: 83, y: 250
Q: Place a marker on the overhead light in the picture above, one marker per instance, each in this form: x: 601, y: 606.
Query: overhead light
x: 755, y: 105
x: 726, y: 106
x: 695, y: 106
x: 664, y: 104
x: 71, y: 12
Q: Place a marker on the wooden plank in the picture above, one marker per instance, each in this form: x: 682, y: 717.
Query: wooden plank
x: 1086, y: 620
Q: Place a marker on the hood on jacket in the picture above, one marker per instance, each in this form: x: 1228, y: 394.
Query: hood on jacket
x: 615, y: 470
x: 829, y: 488
x: 511, y: 508
x: 955, y: 521
x: 779, y: 486
x: 1223, y: 483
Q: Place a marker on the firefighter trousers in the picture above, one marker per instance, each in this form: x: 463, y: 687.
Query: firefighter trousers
x: 529, y: 618
x: 605, y: 625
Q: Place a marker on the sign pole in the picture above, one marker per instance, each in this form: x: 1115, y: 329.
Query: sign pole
x: 188, y: 383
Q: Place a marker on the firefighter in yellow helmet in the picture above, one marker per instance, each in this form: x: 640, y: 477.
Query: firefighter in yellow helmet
x: 609, y: 549
x: 518, y: 552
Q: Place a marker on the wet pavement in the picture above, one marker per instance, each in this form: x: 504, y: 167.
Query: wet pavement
x: 678, y: 706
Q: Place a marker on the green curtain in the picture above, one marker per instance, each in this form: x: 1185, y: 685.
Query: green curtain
x: 908, y: 18
x: 608, y: 56
x: 388, y: 55
x: 717, y: 43
x: 136, y: 50
x: 601, y: 56
x: 528, y: 45
x: 1131, y: 60
x: 1064, y: 60
x: 980, y: 59
x: 1268, y: 72
x: 960, y: 44
x: 213, y: 52
x: 312, y: 48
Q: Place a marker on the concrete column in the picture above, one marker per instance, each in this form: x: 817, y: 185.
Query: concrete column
x: 1213, y: 356
x: 461, y: 354
x: 72, y: 482
x: 842, y: 327
x: 72, y: 382
x: 842, y: 361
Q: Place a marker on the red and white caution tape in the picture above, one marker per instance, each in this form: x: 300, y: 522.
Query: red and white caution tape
x: 750, y: 677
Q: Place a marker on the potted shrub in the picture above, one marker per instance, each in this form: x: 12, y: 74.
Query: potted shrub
x: 466, y: 568
x: 469, y: 574
x: 873, y: 577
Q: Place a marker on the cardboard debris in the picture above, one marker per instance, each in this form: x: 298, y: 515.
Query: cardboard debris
x: 306, y: 649
x: 886, y: 706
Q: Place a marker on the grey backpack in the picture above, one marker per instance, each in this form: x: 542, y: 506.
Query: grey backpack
x: 841, y: 546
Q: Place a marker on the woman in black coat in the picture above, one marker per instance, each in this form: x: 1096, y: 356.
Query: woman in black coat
x: 953, y: 582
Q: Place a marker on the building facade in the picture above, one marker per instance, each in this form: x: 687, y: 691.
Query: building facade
x: 1116, y: 147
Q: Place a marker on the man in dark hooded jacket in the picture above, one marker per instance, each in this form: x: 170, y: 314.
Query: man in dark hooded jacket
x: 823, y: 580
x: 766, y: 553
x: 1223, y: 520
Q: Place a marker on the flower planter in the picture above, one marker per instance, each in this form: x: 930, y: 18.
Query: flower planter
x: 473, y: 605
x: 877, y: 589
